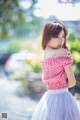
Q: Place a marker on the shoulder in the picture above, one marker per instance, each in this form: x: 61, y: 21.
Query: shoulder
x: 55, y: 52
x: 65, y: 52
x: 62, y: 51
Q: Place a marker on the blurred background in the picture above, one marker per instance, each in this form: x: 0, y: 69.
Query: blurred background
x: 21, y: 24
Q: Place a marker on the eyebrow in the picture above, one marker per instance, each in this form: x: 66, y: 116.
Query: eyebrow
x: 62, y: 35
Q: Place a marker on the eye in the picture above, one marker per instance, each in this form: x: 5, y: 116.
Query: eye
x: 63, y: 36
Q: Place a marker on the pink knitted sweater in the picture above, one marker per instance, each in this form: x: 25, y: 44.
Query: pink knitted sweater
x: 54, y: 75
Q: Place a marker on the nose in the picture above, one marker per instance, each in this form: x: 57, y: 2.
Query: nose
x: 60, y: 40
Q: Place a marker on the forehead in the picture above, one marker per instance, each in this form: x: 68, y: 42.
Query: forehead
x: 61, y: 32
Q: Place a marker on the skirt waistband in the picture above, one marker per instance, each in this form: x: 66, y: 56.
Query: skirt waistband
x: 58, y: 91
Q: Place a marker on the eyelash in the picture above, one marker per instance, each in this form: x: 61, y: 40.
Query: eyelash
x: 62, y: 37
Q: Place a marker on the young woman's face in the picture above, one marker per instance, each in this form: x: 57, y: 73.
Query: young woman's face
x: 58, y: 41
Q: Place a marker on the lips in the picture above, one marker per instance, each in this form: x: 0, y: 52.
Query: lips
x: 59, y: 45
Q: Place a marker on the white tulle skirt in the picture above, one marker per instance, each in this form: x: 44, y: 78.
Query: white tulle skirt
x: 57, y: 105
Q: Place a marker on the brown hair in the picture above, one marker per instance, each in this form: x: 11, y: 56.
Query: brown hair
x: 52, y: 29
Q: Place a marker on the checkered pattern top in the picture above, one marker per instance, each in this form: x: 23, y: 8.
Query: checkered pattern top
x: 54, y: 75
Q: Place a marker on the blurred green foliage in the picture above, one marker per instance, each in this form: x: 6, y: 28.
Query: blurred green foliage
x: 16, y: 46
x: 71, y: 35
x: 35, y: 65
x: 15, y: 20
x: 74, y: 45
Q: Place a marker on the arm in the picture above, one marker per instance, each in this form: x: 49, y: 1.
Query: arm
x: 69, y: 72
x: 70, y: 75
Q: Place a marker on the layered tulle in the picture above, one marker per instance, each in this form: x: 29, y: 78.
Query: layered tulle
x: 57, y: 105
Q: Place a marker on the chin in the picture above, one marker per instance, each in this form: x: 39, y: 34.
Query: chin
x: 59, y: 46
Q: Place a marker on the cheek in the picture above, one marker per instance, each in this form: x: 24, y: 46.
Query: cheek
x: 51, y: 42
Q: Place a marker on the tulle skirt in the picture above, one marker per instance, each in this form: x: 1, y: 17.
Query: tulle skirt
x: 57, y: 105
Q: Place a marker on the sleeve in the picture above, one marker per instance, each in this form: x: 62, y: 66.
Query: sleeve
x: 65, y: 57
x: 66, y: 60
